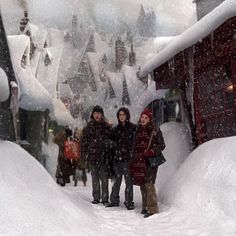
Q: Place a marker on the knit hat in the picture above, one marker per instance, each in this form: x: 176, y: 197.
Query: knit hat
x: 68, y: 132
x: 98, y: 109
x: 126, y: 111
x: 148, y: 113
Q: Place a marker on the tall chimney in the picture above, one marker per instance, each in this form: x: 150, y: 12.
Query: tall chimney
x: 24, y: 21
x: 132, y: 56
x: 74, y: 26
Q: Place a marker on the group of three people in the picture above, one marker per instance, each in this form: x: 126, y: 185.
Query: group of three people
x: 131, y: 147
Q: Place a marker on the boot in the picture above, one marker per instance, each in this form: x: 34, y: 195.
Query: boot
x: 148, y: 214
x: 95, y: 201
x: 105, y: 203
x: 144, y: 211
x: 129, y: 206
x: 112, y: 204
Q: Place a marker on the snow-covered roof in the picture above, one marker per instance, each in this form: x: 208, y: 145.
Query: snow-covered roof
x: 4, y: 87
x: 55, y: 37
x: 135, y: 86
x: 140, y: 94
x: 94, y: 60
x: 47, y: 74
x: 38, y: 34
x: 161, y: 42
x: 144, y: 50
x: 61, y: 115
x: 33, y: 96
x: 100, y: 45
x: 198, y: 31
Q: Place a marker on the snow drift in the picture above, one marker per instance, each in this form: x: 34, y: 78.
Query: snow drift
x: 31, y: 203
x: 178, y: 147
x: 4, y: 87
x: 206, y: 181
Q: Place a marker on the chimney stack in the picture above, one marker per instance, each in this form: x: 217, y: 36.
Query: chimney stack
x: 74, y: 26
x: 132, y: 56
x: 24, y: 21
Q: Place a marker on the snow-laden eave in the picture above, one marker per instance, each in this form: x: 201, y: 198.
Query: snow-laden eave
x: 33, y: 96
x: 161, y: 42
x: 94, y: 61
x: 38, y: 34
x: 61, y: 115
x: 191, y: 36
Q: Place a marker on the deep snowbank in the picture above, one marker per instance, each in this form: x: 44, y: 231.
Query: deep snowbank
x: 178, y: 147
x: 206, y: 181
x: 31, y: 203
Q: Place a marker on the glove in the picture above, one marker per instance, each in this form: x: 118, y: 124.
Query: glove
x: 149, y: 153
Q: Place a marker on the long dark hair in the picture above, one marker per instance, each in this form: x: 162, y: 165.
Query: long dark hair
x: 126, y: 111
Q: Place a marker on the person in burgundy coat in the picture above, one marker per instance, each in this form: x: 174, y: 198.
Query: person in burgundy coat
x: 148, y: 143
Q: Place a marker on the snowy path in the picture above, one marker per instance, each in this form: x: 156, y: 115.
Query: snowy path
x: 119, y: 221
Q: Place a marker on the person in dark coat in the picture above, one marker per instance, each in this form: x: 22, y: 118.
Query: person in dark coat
x: 64, y: 166
x: 79, y: 164
x: 148, y: 143
x: 93, y: 140
x: 122, y: 135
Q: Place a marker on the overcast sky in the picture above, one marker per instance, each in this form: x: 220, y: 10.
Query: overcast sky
x: 173, y: 15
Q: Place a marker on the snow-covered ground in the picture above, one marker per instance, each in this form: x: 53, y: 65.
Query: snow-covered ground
x: 199, y: 199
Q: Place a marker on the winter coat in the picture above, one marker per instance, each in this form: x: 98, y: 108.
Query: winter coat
x: 80, y: 163
x: 64, y: 166
x: 94, y: 140
x: 123, y: 138
x: 140, y: 161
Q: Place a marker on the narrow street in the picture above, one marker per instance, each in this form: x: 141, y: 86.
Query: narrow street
x: 120, y: 221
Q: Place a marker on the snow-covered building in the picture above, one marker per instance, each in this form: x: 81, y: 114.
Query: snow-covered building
x: 206, y: 6
x: 201, y: 62
x: 97, y: 81
x: 28, y: 86
x: 146, y: 23
x: 34, y: 100
x: 8, y: 89
x: 91, y: 70
x: 121, y: 54
x: 75, y: 42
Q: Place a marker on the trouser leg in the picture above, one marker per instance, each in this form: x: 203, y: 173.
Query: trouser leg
x: 104, y: 180
x: 151, y: 198
x: 115, y: 198
x: 144, y: 196
x: 95, y: 182
x: 84, y: 176
x: 129, y: 185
